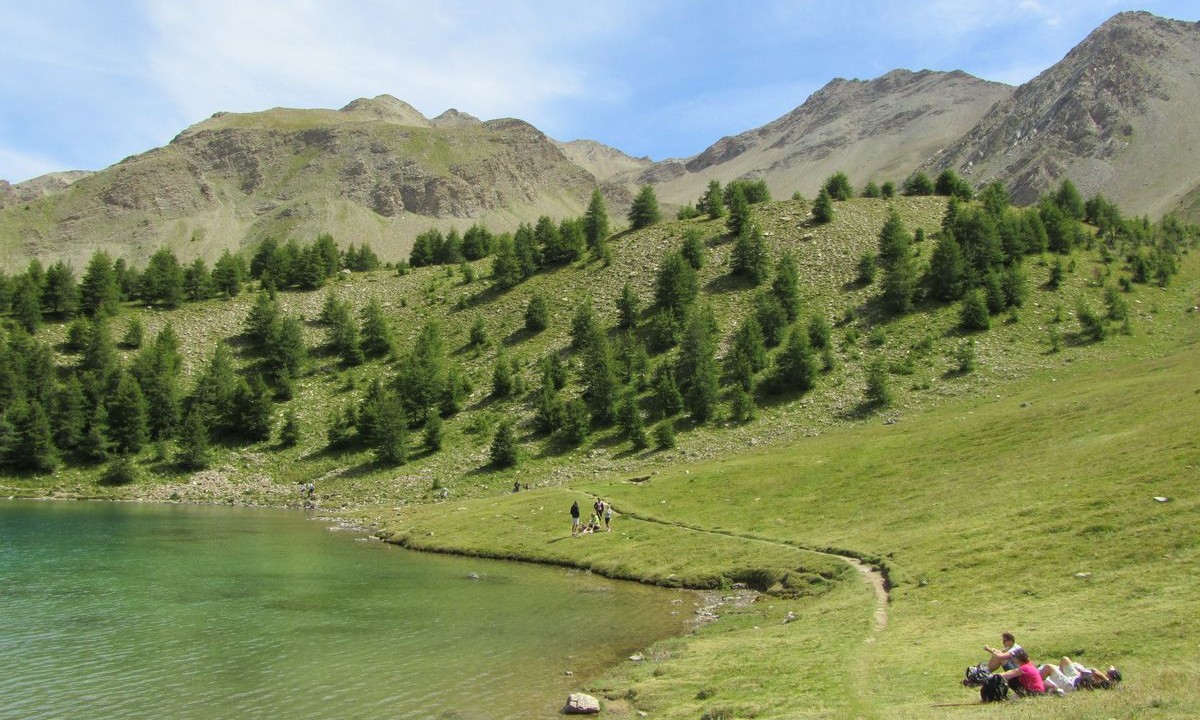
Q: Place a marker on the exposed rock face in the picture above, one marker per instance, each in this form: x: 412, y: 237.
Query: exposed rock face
x: 1116, y: 115
x: 871, y: 129
x: 375, y: 171
x: 38, y: 187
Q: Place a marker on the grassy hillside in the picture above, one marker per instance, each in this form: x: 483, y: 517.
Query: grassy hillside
x: 1018, y: 496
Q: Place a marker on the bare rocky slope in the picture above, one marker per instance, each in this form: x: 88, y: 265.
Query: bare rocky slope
x: 870, y: 129
x: 1116, y: 116
x: 375, y: 171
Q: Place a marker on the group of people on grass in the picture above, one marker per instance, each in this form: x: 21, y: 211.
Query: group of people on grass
x: 1012, y: 662
x: 601, y: 513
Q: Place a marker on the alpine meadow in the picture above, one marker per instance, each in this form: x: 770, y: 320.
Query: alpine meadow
x: 915, y: 364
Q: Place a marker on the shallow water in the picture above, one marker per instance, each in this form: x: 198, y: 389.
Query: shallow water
x: 148, y: 611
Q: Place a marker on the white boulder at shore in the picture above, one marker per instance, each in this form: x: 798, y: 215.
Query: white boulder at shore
x: 581, y: 704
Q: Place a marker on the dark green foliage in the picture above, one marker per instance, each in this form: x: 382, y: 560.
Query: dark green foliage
x: 993, y: 292
x: 900, y: 272
x: 644, y: 212
x: 449, y: 251
x: 1058, y: 272
x: 632, y: 359
x: 537, y: 313
x: 193, y: 452
x: 527, y: 249
x: 128, y: 428
x: 506, y: 266
x: 504, y: 452
x: 156, y: 369
x: 628, y: 308
x: 390, y: 432
x: 879, y: 390
x: 547, y: 408
x: 434, y: 433
x: 795, y: 366
x: 786, y: 286
x: 964, y: 357
x: 286, y: 353
x: 30, y: 441
x: 214, y: 390
x: 693, y: 248
x: 667, y: 398
x: 747, y: 354
x: 228, y: 274
x: 343, y: 335
x: 132, y: 339
x: 289, y: 433
x: 1068, y: 199
x: 252, y: 409
x: 423, y: 250
x: 822, y: 208
x: 887, y: 190
x: 676, y: 287
x: 633, y: 425
x: 98, y: 362
x: 772, y: 317
x: 99, y: 292
x: 261, y: 320
x: 894, y: 239
x: 27, y: 304
x: 554, y: 252
x: 713, y: 201
x: 573, y: 422
x: 364, y: 259
x: 871, y: 190
x: 476, y: 243
x: 162, y: 280
x: 918, y: 184
x: 946, y: 276
x: 664, y: 435
x: 504, y: 382
x: 1118, y: 308
x: 478, y: 337
x: 750, y: 258
x: 755, y: 191
x: 739, y: 210
x: 197, y: 281
x: 595, y: 224
x: 838, y: 186
x: 994, y: 198
x: 68, y: 413
x: 60, y: 293
x: 1015, y: 284
x: 741, y: 405
x: 950, y: 184
x: 121, y: 470
x: 1092, y: 327
x: 584, y: 326
x: 687, y: 212
x: 867, y: 264
x: 662, y: 331
x: 697, y: 364
x: 598, y: 376
x: 973, y: 315
x: 424, y: 380
x: 376, y: 338
x: 819, y: 332
x: 339, y: 428
x: 94, y: 445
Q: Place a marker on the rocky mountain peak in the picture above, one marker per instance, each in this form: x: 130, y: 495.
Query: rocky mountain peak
x: 388, y: 109
x: 455, y: 118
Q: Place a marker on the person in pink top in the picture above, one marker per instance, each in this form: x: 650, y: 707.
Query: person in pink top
x: 1025, y: 679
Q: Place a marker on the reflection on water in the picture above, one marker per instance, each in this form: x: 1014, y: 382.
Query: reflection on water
x: 131, y: 611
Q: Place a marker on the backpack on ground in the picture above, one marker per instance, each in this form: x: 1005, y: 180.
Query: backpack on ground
x: 976, y: 676
x: 994, y: 689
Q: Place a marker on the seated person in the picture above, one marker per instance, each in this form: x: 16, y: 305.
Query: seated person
x: 1002, y: 658
x: 1025, y: 679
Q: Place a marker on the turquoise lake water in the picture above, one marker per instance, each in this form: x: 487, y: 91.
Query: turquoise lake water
x: 115, y: 610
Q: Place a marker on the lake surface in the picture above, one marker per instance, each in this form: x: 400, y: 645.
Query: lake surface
x: 115, y: 610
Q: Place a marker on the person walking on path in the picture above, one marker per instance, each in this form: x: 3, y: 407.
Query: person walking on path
x: 608, y: 517
x: 574, y: 518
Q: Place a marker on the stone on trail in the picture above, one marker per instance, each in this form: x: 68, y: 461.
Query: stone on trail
x: 581, y: 704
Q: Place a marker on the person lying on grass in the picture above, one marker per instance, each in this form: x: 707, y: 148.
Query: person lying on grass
x: 1069, y: 675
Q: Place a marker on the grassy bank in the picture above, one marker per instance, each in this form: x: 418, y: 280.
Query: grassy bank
x: 1032, y: 509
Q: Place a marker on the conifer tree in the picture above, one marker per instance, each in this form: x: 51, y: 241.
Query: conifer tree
x: 796, y: 365
x: 504, y: 451
x: 947, y: 274
x: 786, y: 286
x: 747, y: 355
x: 476, y: 245
x: 506, y: 266
x: 667, y: 397
x: 162, y: 280
x: 286, y: 351
x: 973, y: 314
x: 693, y: 248
x: 838, y: 186
x: 391, y: 431
x: 60, y: 293
x: 197, y: 281
x: 252, y: 408
x: 194, y: 450
x: 628, y: 308
x: 537, y: 313
x: 633, y: 425
x: 750, y: 258
x: 595, y: 224
x: 676, y: 286
x: 127, y: 423
x: 289, y: 432
x: 99, y: 292
x: 261, y: 320
x: 772, y: 317
x: 644, y: 212
x: 599, y: 378
x: 713, y: 201
x: 27, y: 304
x: 739, y: 210
x: 434, y: 433
x: 528, y: 251
x: 68, y: 413
x: 228, y: 274
x: 698, y: 364
x: 822, y: 208
x: 377, y: 339
x: 424, y: 379
x: 214, y: 390
x: 879, y: 391
x: 503, y: 381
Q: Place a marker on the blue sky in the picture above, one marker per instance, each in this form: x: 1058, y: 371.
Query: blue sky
x: 86, y: 83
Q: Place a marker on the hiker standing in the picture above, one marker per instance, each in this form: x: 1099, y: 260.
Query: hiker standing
x: 574, y: 518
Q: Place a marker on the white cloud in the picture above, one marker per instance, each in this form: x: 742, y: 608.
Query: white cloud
x: 490, y: 59
x: 17, y: 166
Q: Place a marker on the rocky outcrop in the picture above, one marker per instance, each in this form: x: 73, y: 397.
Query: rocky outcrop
x: 1116, y: 115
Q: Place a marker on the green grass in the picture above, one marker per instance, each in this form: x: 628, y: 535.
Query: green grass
x: 1019, y: 496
